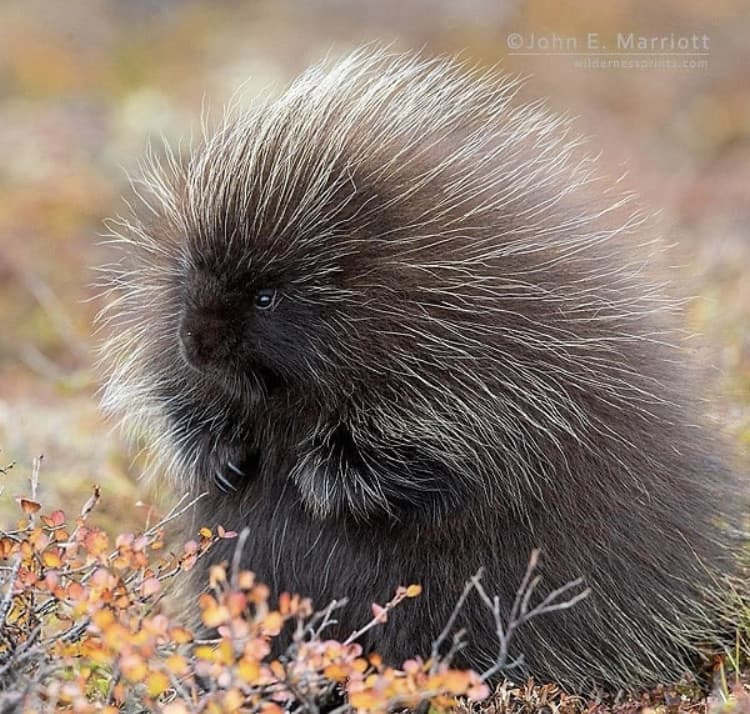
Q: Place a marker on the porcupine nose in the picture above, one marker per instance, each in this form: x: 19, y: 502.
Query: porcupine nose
x: 201, y: 338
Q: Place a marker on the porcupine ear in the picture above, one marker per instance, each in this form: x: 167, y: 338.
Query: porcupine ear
x: 339, y: 475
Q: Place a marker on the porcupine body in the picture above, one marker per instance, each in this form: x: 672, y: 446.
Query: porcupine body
x: 394, y: 323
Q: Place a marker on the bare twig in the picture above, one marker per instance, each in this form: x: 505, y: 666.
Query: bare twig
x: 506, y: 628
x: 379, y: 619
x: 36, y: 465
x: 10, y: 578
x: 237, y: 555
x: 175, y: 512
x: 319, y: 621
x: 520, y: 614
x: 437, y: 644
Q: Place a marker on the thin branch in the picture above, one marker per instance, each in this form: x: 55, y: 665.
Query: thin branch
x: 10, y: 578
x: 237, y: 555
x: 435, y: 653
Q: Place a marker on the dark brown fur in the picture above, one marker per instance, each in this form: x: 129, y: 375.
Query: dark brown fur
x: 459, y: 366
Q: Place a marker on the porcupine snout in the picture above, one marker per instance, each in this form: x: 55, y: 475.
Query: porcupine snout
x: 201, y: 340
x: 209, y: 328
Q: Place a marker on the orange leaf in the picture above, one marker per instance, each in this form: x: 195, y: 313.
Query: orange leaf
x: 156, y: 683
x: 28, y: 506
x: 360, y: 665
x: 456, y: 681
x: 76, y: 591
x: 232, y: 701
x: 52, y: 559
x: 54, y: 519
x: 7, y: 546
x: 217, y: 574
x: 215, y: 616
x: 278, y: 669
x: 259, y: 594
x: 381, y: 614
x: 272, y: 623
x: 180, y: 635
x: 134, y: 667
x: 236, y: 602
x: 335, y: 672
x: 365, y: 701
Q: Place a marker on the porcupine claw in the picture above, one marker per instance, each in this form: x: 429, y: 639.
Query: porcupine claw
x: 224, y: 484
x: 236, y: 470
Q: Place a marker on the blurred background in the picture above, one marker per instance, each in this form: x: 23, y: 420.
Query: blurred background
x: 84, y: 84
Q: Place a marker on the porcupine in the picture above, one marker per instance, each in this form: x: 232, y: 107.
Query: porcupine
x: 396, y: 323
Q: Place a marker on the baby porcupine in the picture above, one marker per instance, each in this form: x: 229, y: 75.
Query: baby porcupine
x: 393, y: 322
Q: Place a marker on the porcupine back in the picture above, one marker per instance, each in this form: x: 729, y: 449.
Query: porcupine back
x: 464, y: 356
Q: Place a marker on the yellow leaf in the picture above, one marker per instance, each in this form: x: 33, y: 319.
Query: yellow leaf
x: 204, y: 652
x: 413, y: 590
x: 95, y: 652
x: 156, y: 683
x: 224, y: 653
x: 248, y: 670
x: 215, y: 616
x: 272, y: 623
x: 176, y: 664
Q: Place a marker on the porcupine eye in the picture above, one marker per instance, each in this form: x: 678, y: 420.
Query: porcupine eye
x: 264, y: 299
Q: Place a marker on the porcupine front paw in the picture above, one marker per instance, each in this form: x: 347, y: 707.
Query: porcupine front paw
x: 338, y: 476
x: 227, y: 466
x: 334, y: 480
